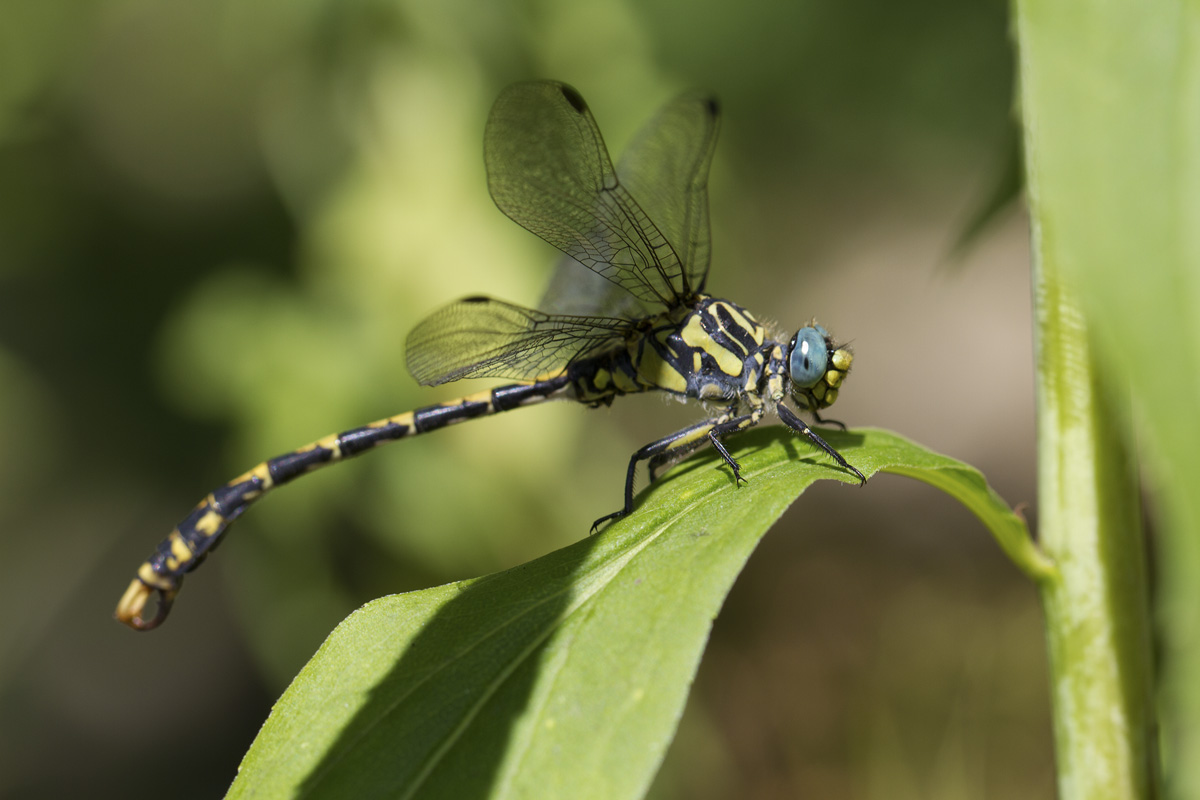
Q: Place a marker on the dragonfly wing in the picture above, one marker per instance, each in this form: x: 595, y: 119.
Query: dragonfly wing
x: 549, y: 171
x: 479, y: 337
x: 574, y: 289
x: 666, y: 169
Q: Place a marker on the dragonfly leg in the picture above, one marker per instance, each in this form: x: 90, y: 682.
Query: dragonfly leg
x: 796, y: 424
x: 678, y: 445
x: 730, y: 460
x: 664, y: 461
x: 833, y: 422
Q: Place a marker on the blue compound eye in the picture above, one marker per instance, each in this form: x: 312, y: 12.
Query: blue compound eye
x: 809, y: 358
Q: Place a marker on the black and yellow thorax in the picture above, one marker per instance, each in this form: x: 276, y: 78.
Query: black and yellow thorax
x: 712, y: 350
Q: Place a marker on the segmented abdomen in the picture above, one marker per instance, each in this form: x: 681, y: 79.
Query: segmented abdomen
x: 201, y: 530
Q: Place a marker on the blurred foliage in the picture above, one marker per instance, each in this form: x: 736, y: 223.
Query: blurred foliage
x: 219, y: 220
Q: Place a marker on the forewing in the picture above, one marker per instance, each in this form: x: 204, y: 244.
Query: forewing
x: 549, y: 171
x: 479, y: 337
x: 666, y: 169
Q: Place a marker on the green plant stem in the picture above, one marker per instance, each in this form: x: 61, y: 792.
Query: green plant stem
x: 1097, y: 617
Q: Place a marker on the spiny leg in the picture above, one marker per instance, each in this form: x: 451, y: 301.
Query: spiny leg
x: 657, y: 465
x: 678, y: 444
x: 795, y: 423
x: 730, y: 460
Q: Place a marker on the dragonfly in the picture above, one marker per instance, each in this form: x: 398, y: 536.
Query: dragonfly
x: 625, y: 312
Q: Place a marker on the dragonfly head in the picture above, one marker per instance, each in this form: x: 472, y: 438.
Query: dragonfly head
x: 817, y: 367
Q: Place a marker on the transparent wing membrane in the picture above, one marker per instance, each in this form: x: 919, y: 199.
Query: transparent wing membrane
x: 549, y: 171
x: 575, y: 289
x: 484, y: 338
x: 666, y: 169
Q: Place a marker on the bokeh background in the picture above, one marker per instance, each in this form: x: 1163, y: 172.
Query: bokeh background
x: 218, y: 220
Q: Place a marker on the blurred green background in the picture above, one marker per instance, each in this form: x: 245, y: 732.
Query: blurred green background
x: 218, y: 221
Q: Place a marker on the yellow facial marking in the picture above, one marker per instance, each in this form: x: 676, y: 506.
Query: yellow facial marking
x: 831, y: 397
x: 834, y: 378
x: 841, y: 359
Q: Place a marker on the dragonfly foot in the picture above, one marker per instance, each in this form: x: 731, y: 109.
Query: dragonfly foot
x: 613, y: 516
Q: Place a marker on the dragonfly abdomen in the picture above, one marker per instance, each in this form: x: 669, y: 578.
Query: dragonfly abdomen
x: 599, y: 379
x: 201, y: 530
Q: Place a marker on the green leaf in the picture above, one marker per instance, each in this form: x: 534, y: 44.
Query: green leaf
x: 564, y: 677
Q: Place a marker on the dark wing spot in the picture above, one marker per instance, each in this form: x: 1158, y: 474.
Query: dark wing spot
x: 714, y: 108
x: 475, y: 299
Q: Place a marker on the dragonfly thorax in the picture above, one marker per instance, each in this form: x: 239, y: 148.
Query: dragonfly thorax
x: 713, y: 351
